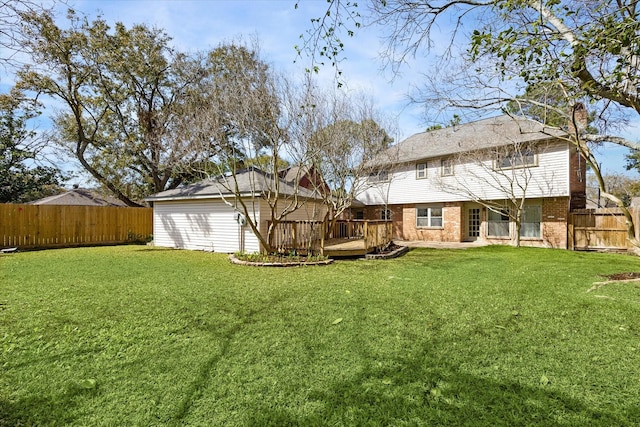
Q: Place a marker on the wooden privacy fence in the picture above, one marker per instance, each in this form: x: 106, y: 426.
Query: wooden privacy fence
x: 600, y: 229
x: 49, y: 226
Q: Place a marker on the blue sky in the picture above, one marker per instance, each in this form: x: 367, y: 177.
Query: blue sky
x: 203, y: 24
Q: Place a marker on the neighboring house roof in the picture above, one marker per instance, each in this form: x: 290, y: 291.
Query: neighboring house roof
x: 306, y: 176
x: 250, y: 182
x: 294, y: 172
x: 79, y: 197
x: 488, y: 133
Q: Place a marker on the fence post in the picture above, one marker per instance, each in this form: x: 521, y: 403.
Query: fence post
x: 365, y: 234
x: 570, y: 231
x: 294, y: 235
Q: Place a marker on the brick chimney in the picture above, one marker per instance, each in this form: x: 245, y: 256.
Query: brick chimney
x: 577, y: 164
x: 580, y: 117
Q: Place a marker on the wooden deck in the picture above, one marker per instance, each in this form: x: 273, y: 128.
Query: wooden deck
x: 345, y: 247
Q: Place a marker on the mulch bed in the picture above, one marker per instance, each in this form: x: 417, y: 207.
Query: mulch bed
x: 390, y: 251
x: 279, y: 262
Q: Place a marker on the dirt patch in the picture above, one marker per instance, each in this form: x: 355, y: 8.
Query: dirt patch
x: 623, y: 276
x: 632, y: 276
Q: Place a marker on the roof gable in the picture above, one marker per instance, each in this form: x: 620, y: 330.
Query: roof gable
x: 248, y: 182
x: 79, y: 197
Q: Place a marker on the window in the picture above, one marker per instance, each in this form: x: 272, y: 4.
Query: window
x: 517, y: 159
x: 379, y: 176
x: 447, y: 167
x: 385, y: 214
x: 498, y: 223
x: 359, y: 214
x: 429, y: 216
x: 530, y: 222
x: 421, y: 170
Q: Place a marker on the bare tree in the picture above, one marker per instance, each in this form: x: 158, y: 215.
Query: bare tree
x: 623, y: 186
x: 245, y: 119
x: 347, y: 146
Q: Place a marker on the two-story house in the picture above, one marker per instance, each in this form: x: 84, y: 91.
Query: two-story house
x: 487, y: 180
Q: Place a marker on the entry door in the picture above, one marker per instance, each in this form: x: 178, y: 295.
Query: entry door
x: 473, y: 223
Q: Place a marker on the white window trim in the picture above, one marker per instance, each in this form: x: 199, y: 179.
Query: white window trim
x: 512, y: 227
x: 380, y: 176
x: 497, y: 163
x: 421, y: 170
x: 430, y: 216
x: 446, y: 163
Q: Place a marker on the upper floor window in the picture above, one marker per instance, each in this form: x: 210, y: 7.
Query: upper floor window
x: 421, y: 170
x: 518, y: 158
x: 385, y: 214
x: 379, y: 176
x: 447, y: 167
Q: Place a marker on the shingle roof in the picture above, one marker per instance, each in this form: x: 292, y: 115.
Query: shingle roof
x: 492, y: 132
x: 79, y: 197
x: 250, y: 181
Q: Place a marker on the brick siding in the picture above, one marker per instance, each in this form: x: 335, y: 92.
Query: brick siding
x: 553, y: 228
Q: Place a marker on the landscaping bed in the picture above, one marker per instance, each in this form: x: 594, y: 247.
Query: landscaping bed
x: 388, y: 252
x: 260, y: 260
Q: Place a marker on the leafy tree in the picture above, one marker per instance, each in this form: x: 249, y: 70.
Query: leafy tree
x: 11, y: 27
x: 21, y: 178
x: 633, y: 161
x: 125, y: 92
x: 622, y: 186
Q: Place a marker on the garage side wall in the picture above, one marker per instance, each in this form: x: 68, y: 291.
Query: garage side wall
x: 201, y: 225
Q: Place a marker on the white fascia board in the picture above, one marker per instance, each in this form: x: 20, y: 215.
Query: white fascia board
x: 199, y: 197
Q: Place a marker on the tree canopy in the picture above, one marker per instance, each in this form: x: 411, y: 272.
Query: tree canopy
x: 22, y: 178
x: 131, y: 100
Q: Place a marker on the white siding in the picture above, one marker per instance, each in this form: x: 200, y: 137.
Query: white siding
x: 200, y: 225
x: 550, y: 178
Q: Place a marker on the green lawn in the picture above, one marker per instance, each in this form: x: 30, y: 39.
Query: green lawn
x: 486, y: 336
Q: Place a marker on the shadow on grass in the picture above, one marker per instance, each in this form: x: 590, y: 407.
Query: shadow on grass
x: 423, y: 390
x: 50, y: 409
x: 155, y: 249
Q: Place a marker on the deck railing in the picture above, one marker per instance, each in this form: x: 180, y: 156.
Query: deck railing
x: 308, y: 235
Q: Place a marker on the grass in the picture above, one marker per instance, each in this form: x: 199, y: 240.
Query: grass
x: 486, y: 336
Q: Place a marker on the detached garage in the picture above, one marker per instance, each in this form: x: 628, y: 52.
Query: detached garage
x: 203, y: 224
x: 205, y: 215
